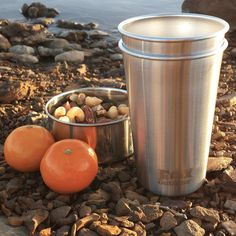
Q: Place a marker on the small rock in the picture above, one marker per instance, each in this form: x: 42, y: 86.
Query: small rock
x: 56, y: 43
x: 60, y: 212
x: 168, y: 221
x: 2, y: 170
x: 99, y: 44
x: 220, y: 233
x: 71, y: 56
x: 189, y: 228
x: 230, y: 204
x: 84, y: 211
x: 123, y: 221
x: 97, y: 34
x: 136, y: 196
x: 49, y: 52
x: 15, y: 221
x: 75, y: 36
x: 203, y: 213
x: 51, y: 195
x: 218, y: 163
x: 22, y: 49
x: 73, y: 46
x: 227, y: 100
x: 122, y: 207
x: 176, y: 204
x: 100, y: 194
x: 124, y: 176
x: 26, y: 59
x: 114, y: 189
x: 45, y: 232
x: 14, y: 185
x: 218, y: 135
x: 116, y: 57
x: 152, y: 212
x: 108, y: 230
x: 69, y: 25
x: 63, y: 231
x: 86, y: 232
x: 233, y: 52
x: 4, y: 43
x: 230, y: 227
x: 44, y: 21
x: 139, y: 230
x: 128, y: 232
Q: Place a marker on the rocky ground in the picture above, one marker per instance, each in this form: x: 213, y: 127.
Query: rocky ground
x: 115, y: 204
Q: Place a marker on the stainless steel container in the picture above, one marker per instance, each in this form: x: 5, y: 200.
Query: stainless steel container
x: 172, y: 65
x: 112, y: 141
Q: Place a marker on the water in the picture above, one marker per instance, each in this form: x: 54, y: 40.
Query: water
x: 108, y: 13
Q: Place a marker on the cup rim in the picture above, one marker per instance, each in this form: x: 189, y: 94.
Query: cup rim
x: 84, y: 90
x: 121, y: 26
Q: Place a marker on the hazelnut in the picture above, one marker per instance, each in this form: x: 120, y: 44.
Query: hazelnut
x: 60, y: 111
x: 123, y: 109
x: 92, y: 101
x: 64, y: 119
x: 76, y: 114
x: 112, y: 112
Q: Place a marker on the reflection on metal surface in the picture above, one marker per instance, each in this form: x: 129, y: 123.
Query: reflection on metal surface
x: 172, y: 80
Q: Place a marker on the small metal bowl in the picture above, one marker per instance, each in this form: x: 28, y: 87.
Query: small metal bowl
x: 112, y: 140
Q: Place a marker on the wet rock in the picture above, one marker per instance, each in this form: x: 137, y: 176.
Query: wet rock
x: 21, y: 49
x: 37, y: 9
x: 56, y: 43
x: 189, y: 228
x: 218, y: 163
x: 168, y: 221
x: 60, y: 212
x: 84, y: 211
x: 44, y: 21
x: 4, y: 43
x: 203, y: 213
x: 116, y: 57
x: 230, y: 227
x: 136, y: 196
x: 128, y: 232
x: 122, y: 207
x: 49, y: 52
x: 230, y: 204
x: 75, y: 25
x: 214, y: 8
x: 97, y: 34
x: 227, y: 100
x: 87, y: 232
x: 108, y: 230
x: 71, y: 56
x: 152, y: 212
x: 74, y: 36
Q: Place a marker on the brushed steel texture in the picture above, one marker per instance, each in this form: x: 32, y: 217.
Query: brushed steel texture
x: 172, y: 90
x: 112, y: 141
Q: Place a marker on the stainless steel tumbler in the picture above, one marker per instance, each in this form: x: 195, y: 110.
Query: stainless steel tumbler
x: 172, y: 65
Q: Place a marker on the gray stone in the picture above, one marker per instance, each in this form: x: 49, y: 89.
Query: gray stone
x: 116, y: 57
x: 218, y: 163
x: 4, y: 43
x: 225, y: 10
x: 25, y: 58
x: 71, y: 56
x: 73, y: 46
x: 97, y: 34
x: 6, y: 230
x: 203, y: 213
x: 230, y: 227
x: 99, y: 44
x: 230, y: 204
x: 189, y: 228
x: 75, y: 36
x: 22, y: 49
x: 49, y: 52
x: 87, y: 232
x: 56, y: 43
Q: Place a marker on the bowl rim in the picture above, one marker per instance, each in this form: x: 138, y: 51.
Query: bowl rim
x: 83, y: 90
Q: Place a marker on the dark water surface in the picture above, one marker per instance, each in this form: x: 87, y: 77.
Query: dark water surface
x: 108, y: 13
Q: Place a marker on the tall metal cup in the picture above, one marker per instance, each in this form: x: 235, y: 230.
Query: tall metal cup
x: 172, y: 65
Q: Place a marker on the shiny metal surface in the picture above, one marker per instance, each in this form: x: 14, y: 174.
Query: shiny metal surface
x: 172, y: 97
x: 112, y: 141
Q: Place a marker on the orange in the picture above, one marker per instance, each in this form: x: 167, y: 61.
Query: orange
x: 69, y: 166
x: 25, y: 147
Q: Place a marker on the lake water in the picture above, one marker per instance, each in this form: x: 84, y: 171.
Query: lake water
x: 108, y: 13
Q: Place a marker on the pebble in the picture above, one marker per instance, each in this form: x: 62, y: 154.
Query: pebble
x: 22, y: 49
x: 230, y: 227
x: 97, y: 34
x: 56, y: 43
x: 84, y: 211
x: 230, y: 204
x: 124, y: 176
x: 99, y: 44
x: 203, y: 213
x: 4, y: 43
x: 168, y: 221
x: 26, y: 58
x: 136, y: 196
x: 122, y: 207
x: 60, y: 212
x: 116, y: 57
x: 218, y: 163
x: 71, y: 56
x: 49, y: 52
x: 189, y: 228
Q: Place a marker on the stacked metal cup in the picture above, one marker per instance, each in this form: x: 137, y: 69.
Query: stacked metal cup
x: 172, y: 66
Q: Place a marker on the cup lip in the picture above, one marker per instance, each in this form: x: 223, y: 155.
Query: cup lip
x: 174, y: 39
x: 84, y: 90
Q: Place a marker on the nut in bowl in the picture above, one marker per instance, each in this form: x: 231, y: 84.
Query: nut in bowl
x: 98, y: 116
